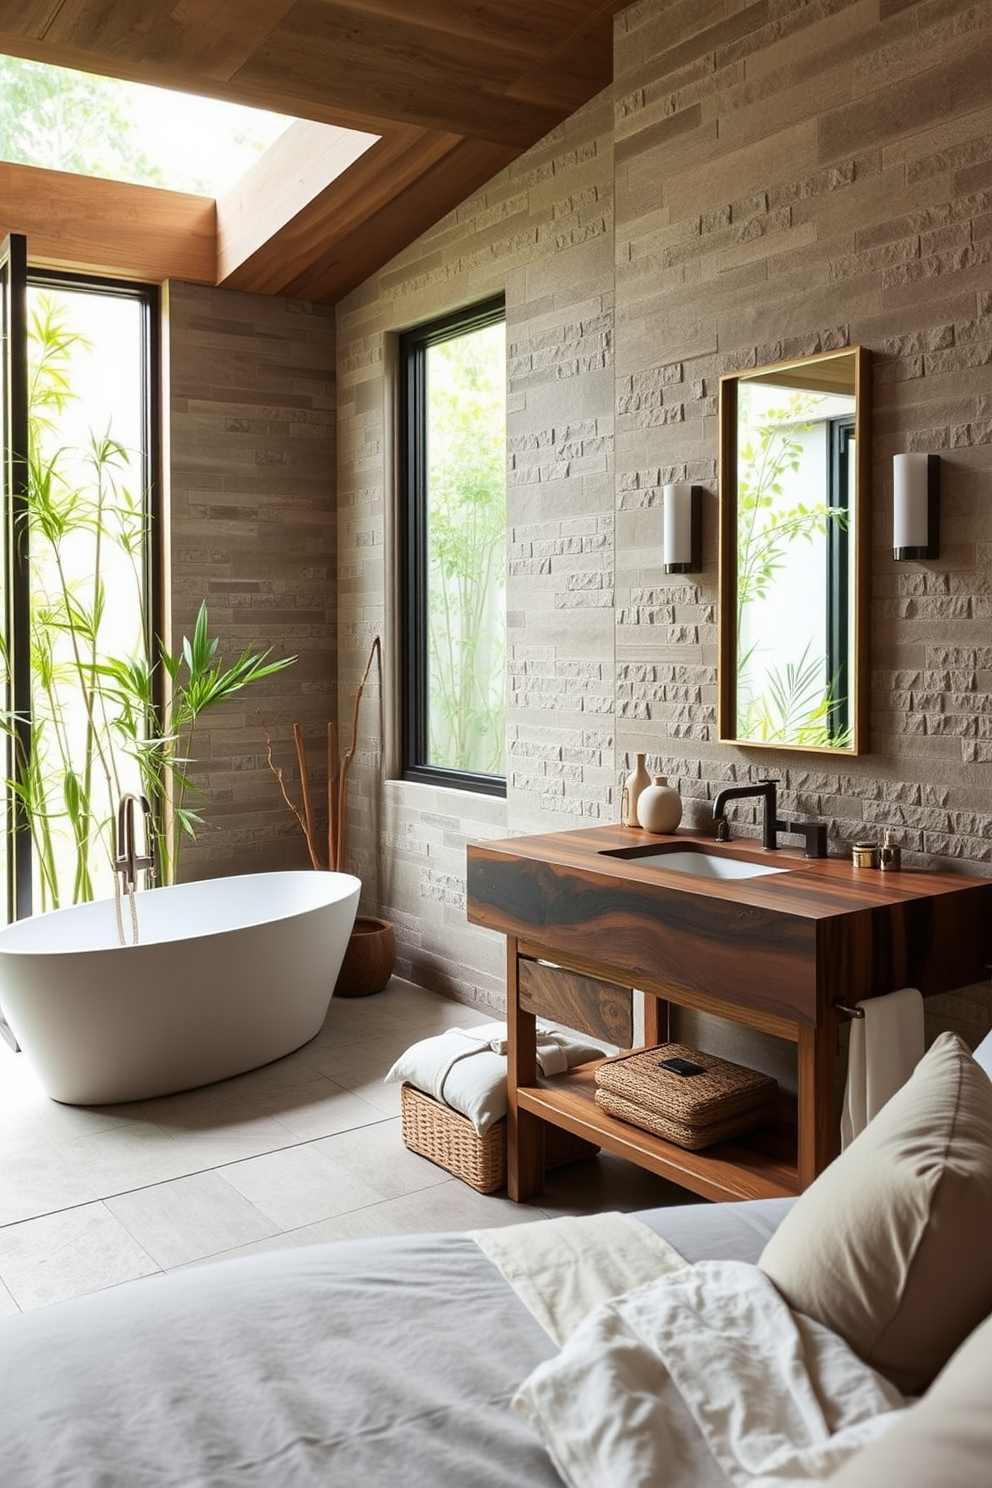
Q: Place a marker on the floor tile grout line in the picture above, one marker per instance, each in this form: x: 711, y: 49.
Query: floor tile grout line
x: 194, y: 1173
x: 439, y: 1203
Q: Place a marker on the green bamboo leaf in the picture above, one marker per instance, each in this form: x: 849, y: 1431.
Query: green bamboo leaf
x: 73, y: 794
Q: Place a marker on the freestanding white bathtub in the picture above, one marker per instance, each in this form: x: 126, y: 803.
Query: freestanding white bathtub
x: 229, y: 974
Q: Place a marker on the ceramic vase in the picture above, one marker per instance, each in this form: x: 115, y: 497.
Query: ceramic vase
x: 659, y: 806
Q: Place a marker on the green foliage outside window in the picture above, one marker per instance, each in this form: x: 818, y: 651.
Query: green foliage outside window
x: 97, y: 727
x: 69, y: 121
x: 466, y: 463
x: 789, y: 704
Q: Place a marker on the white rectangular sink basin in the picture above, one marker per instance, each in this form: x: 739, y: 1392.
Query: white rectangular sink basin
x: 704, y: 865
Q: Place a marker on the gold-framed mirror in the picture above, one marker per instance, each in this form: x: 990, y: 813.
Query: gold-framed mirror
x: 794, y: 498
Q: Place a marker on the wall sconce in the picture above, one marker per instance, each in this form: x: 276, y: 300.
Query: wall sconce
x: 915, y: 506
x: 683, y: 525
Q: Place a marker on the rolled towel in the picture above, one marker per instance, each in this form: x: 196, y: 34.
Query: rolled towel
x: 466, y: 1068
x: 886, y: 1046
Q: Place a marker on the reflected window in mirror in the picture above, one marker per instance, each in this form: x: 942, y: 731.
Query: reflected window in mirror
x: 792, y: 555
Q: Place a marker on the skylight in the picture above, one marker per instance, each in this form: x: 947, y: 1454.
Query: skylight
x: 64, y: 120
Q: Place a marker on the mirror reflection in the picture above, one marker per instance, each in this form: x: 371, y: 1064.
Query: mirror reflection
x: 792, y: 552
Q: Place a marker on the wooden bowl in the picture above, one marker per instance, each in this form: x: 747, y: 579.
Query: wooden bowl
x: 369, y: 960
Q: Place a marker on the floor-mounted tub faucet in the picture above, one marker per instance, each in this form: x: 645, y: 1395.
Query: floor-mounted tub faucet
x: 127, y: 861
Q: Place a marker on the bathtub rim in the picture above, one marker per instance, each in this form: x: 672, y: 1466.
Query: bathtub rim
x: 186, y: 1012
x: 18, y: 931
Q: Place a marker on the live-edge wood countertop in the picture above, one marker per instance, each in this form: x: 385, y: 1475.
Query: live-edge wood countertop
x: 790, y: 943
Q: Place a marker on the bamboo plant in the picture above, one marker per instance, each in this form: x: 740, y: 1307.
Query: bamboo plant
x: 97, y: 727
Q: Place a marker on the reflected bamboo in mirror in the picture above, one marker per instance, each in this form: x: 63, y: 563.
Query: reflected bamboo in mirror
x: 794, y: 553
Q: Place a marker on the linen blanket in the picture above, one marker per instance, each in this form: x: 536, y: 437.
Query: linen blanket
x: 700, y: 1378
x: 388, y: 1362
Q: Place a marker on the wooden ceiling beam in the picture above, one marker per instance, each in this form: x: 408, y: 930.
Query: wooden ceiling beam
x: 503, y: 26
x: 108, y: 227
x: 580, y: 67
x: 283, y: 182
x: 399, y: 72
x: 212, y: 40
x: 348, y: 258
x: 398, y: 189
x: 455, y: 89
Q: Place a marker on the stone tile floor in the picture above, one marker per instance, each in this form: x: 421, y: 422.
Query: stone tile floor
x: 305, y: 1150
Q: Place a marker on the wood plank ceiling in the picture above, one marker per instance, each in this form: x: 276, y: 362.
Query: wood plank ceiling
x: 455, y: 90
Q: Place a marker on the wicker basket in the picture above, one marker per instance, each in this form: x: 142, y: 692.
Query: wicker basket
x: 693, y: 1111
x: 449, y: 1139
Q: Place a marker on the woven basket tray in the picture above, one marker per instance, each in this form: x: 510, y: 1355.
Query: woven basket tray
x: 693, y: 1138
x: 692, y: 1111
x: 449, y: 1139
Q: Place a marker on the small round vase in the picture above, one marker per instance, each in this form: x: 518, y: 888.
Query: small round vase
x: 369, y: 960
x: 659, y: 806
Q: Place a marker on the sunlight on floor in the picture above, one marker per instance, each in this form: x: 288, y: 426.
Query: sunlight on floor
x: 305, y: 1150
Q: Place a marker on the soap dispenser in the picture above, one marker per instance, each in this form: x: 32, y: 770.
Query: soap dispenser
x: 659, y: 806
x: 636, y: 782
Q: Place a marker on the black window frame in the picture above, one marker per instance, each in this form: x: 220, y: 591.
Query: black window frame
x: 413, y: 348
x: 16, y: 617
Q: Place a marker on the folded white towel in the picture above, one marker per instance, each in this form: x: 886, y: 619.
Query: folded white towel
x: 886, y: 1046
x: 465, y: 1068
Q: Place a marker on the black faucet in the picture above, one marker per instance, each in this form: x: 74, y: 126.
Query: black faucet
x: 765, y: 789
x: 813, y: 833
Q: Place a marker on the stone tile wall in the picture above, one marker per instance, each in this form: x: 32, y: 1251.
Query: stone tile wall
x: 792, y: 177
x: 542, y: 232
x: 762, y: 181
x: 252, y: 444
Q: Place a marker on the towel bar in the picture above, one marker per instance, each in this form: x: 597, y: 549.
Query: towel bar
x: 849, y: 1012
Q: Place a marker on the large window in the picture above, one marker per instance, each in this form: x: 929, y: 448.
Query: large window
x: 454, y: 675
x: 77, y: 578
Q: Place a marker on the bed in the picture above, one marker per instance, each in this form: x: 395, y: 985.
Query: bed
x: 401, y: 1361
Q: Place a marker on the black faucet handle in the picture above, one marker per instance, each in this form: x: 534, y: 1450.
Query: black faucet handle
x: 813, y: 833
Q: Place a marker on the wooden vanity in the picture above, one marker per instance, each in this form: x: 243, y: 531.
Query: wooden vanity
x: 588, y: 921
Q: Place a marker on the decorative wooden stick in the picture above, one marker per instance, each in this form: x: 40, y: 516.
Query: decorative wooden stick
x: 332, y: 798
x: 301, y: 755
x: 277, y: 772
x: 374, y: 653
x: 337, y: 772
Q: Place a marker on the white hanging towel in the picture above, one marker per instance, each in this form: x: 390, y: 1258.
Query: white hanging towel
x: 886, y: 1046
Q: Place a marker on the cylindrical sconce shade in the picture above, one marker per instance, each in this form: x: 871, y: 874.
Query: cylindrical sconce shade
x: 683, y: 528
x: 915, y: 510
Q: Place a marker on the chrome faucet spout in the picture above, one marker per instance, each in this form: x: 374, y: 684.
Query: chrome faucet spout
x: 128, y: 862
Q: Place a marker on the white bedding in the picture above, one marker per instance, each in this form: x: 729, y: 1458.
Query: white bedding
x: 562, y: 1269
x: 388, y: 1363
x: 701, y: 1378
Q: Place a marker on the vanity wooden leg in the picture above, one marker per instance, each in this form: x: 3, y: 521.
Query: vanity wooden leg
x: 819, y: 1134
x: 655, y: 1020
x: 524, y: 1131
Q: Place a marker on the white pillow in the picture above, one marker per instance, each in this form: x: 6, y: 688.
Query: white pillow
x: 945, y: 1439
x: 889, y: 1246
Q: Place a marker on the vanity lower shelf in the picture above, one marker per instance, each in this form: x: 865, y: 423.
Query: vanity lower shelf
x: 761, y: 1165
